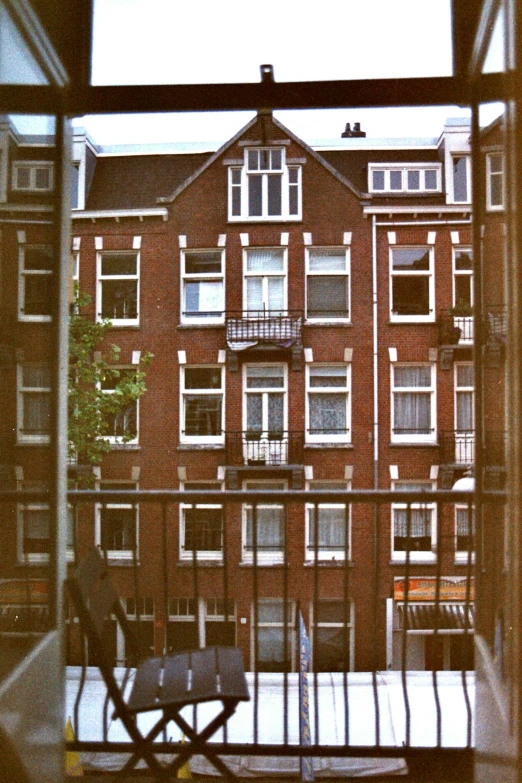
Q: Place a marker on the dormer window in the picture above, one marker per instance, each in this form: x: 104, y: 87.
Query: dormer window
x: 411, y: 178
x: 264, y: 187
x: 32, y: 176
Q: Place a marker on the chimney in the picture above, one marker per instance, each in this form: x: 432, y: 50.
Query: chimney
x: 355, y: 133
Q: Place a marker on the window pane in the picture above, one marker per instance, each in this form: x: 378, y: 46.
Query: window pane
x: 413, y: 180
x: 203, y: 528
x: 411, y: 295
x: 327, y: 377
x: 202, y: 378
x: 465, y: 375
x: 276, y: 160
x: 255, y: 183
x: 254, y: 404
x: 36, y: 413
x: 118, y: 528
x: 327, y: 414
x: 40, y: 258
x: 411, y: 259
x: 331, y: 527
x: 460, y: 179
x: 276, y: 294
x: 36, y: 376
x: 202, y: 263
x: 276, y: 419
x: 253, y: 160
x: 412, y: 414
x: 328, y: 297
x: 395, y: 180
x: 123, y: 264
x: 430, y: 179
x: 265, y: 261
x: 119, y: 299
x: 463, y: 259
x: 378, y: 180
x: 37, y: 295
x: 412, y: 376
x: 327, y: 261
x: 464, y: 412
x: 202, y: 415
x: 204, y: 298
x: 274, y: 194
x: 265, y: 377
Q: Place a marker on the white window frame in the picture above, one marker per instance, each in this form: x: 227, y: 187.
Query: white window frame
x: 461, y: 555
x: 463, y: 322
x: 337, y: 624
x: 464, y: 439
x: 265, y: 391
x: 429, y: 273
x: 40, y: 558
x: 342, y: 437
x: 202, y: 277
x: 291, y: 629
x: 422, y: 556
x: 33, y: 166
x: 119, y: 322
x: 23, y: 274
x: 22, y: 436
x: 325, y: 553
x: 201, y: 554
x: 264, y: 275
x: 467, y: 158
x: 412, y: 438
x: 203, y: 440
x: 490, y: 206
x: 117, y: 440
x: 286, y: 186
x: 387, y: 168
x: 117, y: 555
x: 274, y: 556
x: 346, y: 274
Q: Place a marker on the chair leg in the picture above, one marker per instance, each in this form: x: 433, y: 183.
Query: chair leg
x: 198, y: 742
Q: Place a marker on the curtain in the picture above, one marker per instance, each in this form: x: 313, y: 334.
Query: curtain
x: 327, y: 413
x: 464, y: 412
x: 325, y: 261
x: 204, y: 297
x: 412, y: 413
x: 269, y: 527
x: 36, y: 412
x: 265, y: 260
x: 327, y: 296
x: 330, y: 527
x: 420, y: 522
x: 463, y: 517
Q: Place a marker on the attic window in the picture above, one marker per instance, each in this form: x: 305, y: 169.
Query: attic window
x: 264, y: 187
x: 413, y: 178
x: 33, y: 177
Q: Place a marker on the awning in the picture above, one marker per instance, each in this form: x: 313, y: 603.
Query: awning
x: 448, y: 617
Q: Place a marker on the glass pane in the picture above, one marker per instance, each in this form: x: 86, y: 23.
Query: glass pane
x: 274, y: 183
x: 255, y: 203
x: 414, y: 180
x: 202, y: 378
x: 121, y: 264
x: 265, y: 377
x: 411, y: 258
x: 17, y: 63
x: 327, y: 297
x: 270, y: 260
x: 327, y: 261
x: 202, y: 263
x: 328, y: 376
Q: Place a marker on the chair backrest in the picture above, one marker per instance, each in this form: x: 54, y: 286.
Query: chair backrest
x: 95, y: 600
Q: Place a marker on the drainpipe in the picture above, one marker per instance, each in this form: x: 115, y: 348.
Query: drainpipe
x: 375, y: 359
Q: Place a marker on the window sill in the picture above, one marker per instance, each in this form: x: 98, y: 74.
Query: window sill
x: 432, y: 444
x: 125, y: 447
x: 34, y: 319
x: 43, y: 442
x: 250, y: 564
x: 333, y: 563
x: 328, y: 445
x: 201, y: 446
x: 261, y: 219
x: 411, y: 321
x: 189, y: 563
x: 328, y: 323
x: 416, y: 561
x: 202, y: 325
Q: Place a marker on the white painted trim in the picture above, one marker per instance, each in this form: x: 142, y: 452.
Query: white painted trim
x: 100, y: 214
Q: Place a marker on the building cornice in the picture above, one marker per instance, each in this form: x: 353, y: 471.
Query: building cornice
x: 118, y: 214
x: 431, y: 209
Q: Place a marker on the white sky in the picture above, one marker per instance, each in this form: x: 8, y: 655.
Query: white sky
x: 170, y: 41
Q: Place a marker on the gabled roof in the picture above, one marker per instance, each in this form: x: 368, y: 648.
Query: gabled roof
x: 237, y: 136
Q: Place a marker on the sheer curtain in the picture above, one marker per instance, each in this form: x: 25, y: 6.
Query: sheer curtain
x: 412, y: 409
x: 327, y: 413
x: 330, y: 527
x: 269, y: 527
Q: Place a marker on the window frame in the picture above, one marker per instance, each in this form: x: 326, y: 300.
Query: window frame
x: 420, y: 556
x: 429, y: 273
x: 41, y: 558
x: 117, y: 440
x: 186, y: 278
x: 309, y: 251
x: 23, y: 274
x: 33, y: 166
x: 41, y: 437
x: 290, y: 627
x: 117, y: 555
x: 202, y: 440
x: 490, y: 206
x: 467, y: 157
x: 264, y: 276
x: 328, y: 554
x: 415, y: 438
x: 404, y: 168
x: 265, y: 391
x: 100, y: 279
x: 201, y: 554
x: 243, y: 187
x: 341, y: 438
x: 315, y: 624
x: 275, y: 556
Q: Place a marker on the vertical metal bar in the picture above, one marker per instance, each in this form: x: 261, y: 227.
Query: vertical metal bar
x: 375, y: 625
x: 256, y: 623
x: 315, y: 613
x: 404, y: 633
x: 346, y: 618
x: 286, y: 652
x: 137, y: 596
x: 467, y: 608
x: 436, y: 625
x: 224, y: 550
x: 165, y: 563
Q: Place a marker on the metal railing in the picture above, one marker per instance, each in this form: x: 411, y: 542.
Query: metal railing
x: 279, y: 327
x: 496, y: 323
x: 253, y: 447
x: 457, y: 447
x: 455, y: 328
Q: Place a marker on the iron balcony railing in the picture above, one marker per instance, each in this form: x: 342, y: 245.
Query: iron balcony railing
x: 457, y: 447
x: 271, y: 448
x: 273, y: 327
x: 496, y: 323
x: 455, y: 327
x: 367, y: 695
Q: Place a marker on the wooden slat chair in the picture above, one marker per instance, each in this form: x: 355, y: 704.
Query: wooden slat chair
x: 166, y: 683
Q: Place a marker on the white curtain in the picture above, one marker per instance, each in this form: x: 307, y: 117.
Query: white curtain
x: 264, y: 260
x: 327, y: 413
x: 269, y: 527
x: 331, y: 527
x: 420, y: 522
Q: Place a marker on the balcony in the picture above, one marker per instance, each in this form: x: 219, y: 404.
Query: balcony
x: 455, y: 333
x: 265, y: 330
x: 253, y: 451
x: 457, y: 454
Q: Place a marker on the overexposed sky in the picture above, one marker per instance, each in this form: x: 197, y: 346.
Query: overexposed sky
x: 175, y: 42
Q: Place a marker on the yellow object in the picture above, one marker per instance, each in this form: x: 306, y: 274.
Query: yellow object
x: 73, y: 765
x: 184, y: 771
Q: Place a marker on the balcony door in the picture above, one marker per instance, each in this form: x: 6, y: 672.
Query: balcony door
x: 265, y: 414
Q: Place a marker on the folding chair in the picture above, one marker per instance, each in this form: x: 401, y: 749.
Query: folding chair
x: 166, y: 683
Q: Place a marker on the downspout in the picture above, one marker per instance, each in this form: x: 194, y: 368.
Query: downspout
x: 375, y: 359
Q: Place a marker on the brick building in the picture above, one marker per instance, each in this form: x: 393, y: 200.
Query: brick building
x: 310, y: 312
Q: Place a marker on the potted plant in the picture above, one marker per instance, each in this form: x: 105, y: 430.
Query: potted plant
x: 461, y: 309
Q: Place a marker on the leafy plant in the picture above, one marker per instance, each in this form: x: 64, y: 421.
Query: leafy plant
x: 91, y: 408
